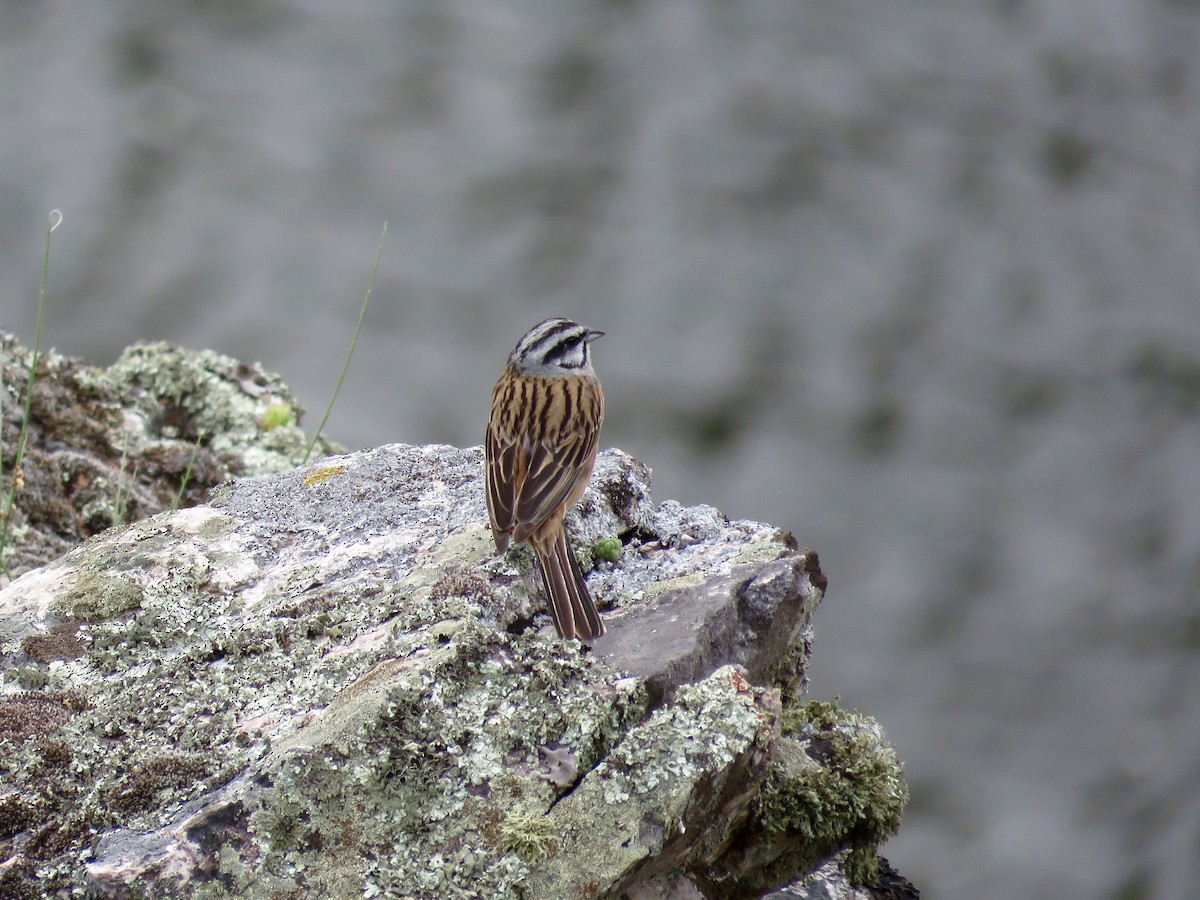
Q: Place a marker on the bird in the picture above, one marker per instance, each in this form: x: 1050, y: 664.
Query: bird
x: 540, y: 448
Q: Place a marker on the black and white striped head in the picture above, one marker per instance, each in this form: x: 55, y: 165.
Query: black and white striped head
x: 555, y: 347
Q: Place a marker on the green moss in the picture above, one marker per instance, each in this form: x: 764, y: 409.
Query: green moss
x: 277, y: 413
x: 836, y: 781
x: 607, y: 549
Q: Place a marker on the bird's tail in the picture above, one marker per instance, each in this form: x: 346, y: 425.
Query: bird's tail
x: 571, y: 606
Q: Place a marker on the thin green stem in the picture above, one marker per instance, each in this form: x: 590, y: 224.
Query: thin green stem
x: 362, y: 314
x: 187, y: 473
x: 23, y: 436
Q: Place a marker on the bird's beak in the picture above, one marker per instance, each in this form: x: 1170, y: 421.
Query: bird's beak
x: 592, y: 335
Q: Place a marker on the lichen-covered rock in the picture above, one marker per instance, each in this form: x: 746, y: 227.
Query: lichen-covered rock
x: 154, y: 431
x: 323, y: 683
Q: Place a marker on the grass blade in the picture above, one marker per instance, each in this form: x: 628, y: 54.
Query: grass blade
x: 362, y: 313
x: 23, y: 436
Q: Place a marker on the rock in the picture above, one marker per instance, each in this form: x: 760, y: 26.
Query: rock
x: 154, y: 431
x: 323, y: 683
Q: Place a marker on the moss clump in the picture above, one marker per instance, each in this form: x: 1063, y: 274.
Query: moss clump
x: 37, y: 713
x: 59, y: 643
x: 54, y: 756
x: 277, y: 414
x: 836, y: 782
x: 141, y: 787
x: 607, y: 549
x: 155, y: 431
x: 531, y: 835
x: 17, y: 812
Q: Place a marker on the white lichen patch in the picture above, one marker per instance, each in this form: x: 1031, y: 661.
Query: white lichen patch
x: 678, y: 744
x: 659, y: 771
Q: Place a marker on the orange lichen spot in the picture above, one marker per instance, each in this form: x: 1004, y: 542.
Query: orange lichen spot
x: 322, y: 473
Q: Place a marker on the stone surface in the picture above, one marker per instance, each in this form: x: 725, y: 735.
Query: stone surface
x: 154, y: 431
x: 324, y: 683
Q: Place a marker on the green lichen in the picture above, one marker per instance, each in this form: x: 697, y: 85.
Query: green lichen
x: 671, y: 748
x: 98, y: 597
x: 835, y: 782
x: 521, y: 557
x: 427, y: 754
x: 168, y: 675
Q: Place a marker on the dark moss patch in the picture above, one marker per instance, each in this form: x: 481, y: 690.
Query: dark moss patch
x: 17, y: 812
x: 34, y: 713
x: 461, y: 583
x: 60, y: 642
x: 17, y: 882
x: 140, y: 788
x: 62, y: 833
x: 55, y: 756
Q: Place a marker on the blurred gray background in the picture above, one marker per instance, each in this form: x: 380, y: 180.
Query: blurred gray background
x: 919, y: 281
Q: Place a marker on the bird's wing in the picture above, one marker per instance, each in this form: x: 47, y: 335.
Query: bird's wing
x: 504, y: 470
x: 554, y: 472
